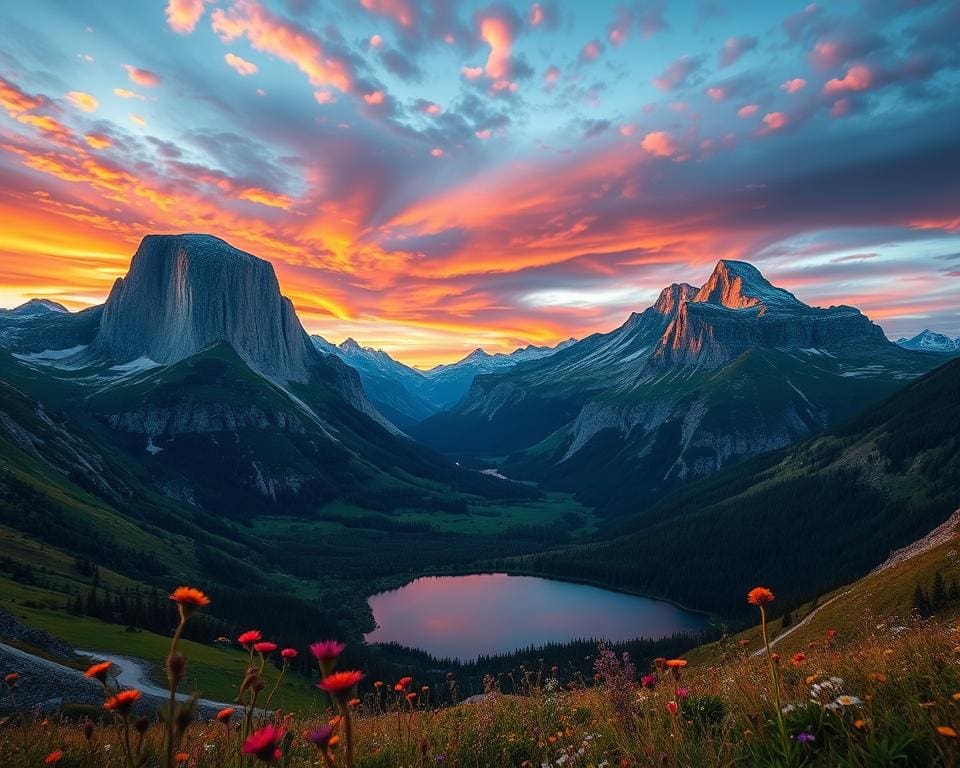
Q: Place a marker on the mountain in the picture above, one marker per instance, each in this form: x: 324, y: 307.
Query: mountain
x: 703, y: 378
x: 929, y: 341
x: 805, y: 520
x: 407, y: 395
x: 34, y: 308
x: 197, y: 375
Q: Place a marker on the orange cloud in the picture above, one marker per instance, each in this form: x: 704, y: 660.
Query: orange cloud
x: 241, y: 66
x: 265, y: 197
x: 83, y: 101
x: 143, y: 77
x: 126, y: 93
x: 401, y: 11
x: 286, y: 41
x: 858, y: 78
x: 98, y: 141
x: 659, y: 143
x: 183, y: 15
x: 137, y: 120
x: 13, y: 100
x: 496, y: 33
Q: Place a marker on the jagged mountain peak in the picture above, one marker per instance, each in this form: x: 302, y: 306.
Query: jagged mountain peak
x: 740, y: 285
x: 350, y: 344
x: 36, y: 308
x: 673, y: 296
x: 930, y: 341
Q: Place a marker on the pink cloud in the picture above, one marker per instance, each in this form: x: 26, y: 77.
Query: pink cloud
x: 126, y: 93
x: 717, y: 93
x: 401, y: 11
x: 619, y: 30
x: 773, y: 121
x: 536, y: 15
x: 286, y: 41
x: 793, y: 85
x: 590, y: 51
x: 840, y: 108
x: 627, y: 130
x: 483, y: 135
x: 376, y: 41
x: 143, y: 77
x: 472, y: 73
x: 374, y: 98
x: 183, y: 15
x: 324, y: 97
x: 858, y: 78
x: 551, y: 76
x: 748, y: 110
x: 429, y: 108
x: 241, y: 66
x: 436, y: 152
x: 659, y: 143
x: 496, y: 33
x: 734, y: 48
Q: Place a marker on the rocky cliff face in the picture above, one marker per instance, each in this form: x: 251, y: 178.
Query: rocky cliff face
x: 185, y: 293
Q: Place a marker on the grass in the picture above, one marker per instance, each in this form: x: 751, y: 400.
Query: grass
x: 887, y: 697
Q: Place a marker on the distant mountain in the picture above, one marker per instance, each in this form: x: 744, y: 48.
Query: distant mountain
x: 705, y: 377
x: 407, y: 395
x: 929, y: 341
x: 808, y: 518
x: 197, y: 370
x: 34, y: 308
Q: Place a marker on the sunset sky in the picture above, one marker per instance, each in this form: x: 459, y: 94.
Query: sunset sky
x: 429, y: 176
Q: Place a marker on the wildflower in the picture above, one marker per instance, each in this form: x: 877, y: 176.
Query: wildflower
x: 810, y: 679
x: 411, y: 697
x: 53, y: 758
x: 341, y: 684
x: 326, y: 652
x: 123, y: 702
x: 956, y: 696
x: 759, y: 596
x: 248, y: 638
x: 648, y: 681
x: 182, y: 757
x: 860, y: 724
x: 676, y: 663
x: 798, y: 658
x: 682, y: 693
x: 354, y: 702
x: 775, y: 657
x: 402, y: 684
x: 98, y: 671
x: 11, y: 679
x: 744, y: 642
x: 946, y: 730
x: 188, y: 600
x: 321, y: 737
x: 288, y: 654
x: 224, y: 715
x: 805, y: 738
x: 672, y: 707
x: 265, y: 744
x: 265, y: 647
x: 378, y: 684
x: 847, y: 701
x: 660, y: 662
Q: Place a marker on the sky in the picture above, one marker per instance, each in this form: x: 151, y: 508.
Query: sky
x: 430, y: 176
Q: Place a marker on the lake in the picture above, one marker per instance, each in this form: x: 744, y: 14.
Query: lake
x: 462, y: 617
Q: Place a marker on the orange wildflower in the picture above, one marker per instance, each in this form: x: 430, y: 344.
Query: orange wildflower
x: 798, y: 659
x: 53, y: 758
x: 759, y: 596
x: 123, y: 702
x: 11, y: 679
x: 182, y: 757
x: 676, y: 663
x: 225, y: 714
x: 354, y: 702
x: 188, y: 600
x: 341, y: 684
x: 98, y: 671
x: 946, y: 730
x: 672, y: 707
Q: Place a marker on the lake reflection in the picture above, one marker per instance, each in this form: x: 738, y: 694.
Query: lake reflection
x: 463, y: 617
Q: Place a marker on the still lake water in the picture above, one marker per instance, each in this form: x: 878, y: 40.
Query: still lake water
x: 463, y: 617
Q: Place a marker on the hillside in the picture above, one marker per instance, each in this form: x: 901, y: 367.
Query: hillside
x: 810, y: 519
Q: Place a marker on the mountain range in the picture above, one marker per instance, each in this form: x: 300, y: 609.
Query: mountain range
x: 930, y: 341
x: 706, y: 376
x: 408, y: 395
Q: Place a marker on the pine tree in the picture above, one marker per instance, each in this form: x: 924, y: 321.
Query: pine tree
x: 921, y: 603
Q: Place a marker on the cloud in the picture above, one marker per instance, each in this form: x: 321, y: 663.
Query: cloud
x: 286, y: 41
x: 592, y: 128
x: 472, y: 73
x: 793, y: 85
x: 840, y: 108
x: 773, y: 122
x: 536, y: 15
x: 436, y: 152
x: 83, y: 101
x: 241, y: 66
x: 126, y: 93
x: 376, y: 41
x: 627, y: 130
x: 619, y: 29
x: 374, y: 98
x: 425, y: 107
x: 660, y: 143
x: 143, y: 77
x: 98, y: 141
x: 748, y: 110
x: 734, y: 48
x: 399, y: 64
x: 137, y: 120
x: 858, y: 78
x: 183, y: 15
x: 717, y: 93
x: 496, y: 32
x: 550, y: 76
x: 590, y: 51
x: 650, y: 17
x: 15, y: 100
x: 403, y: 12
x: 677, y: 73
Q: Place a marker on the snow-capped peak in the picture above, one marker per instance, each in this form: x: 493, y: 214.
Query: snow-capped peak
x: 930, y: 341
